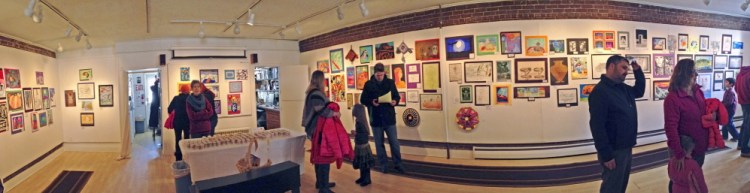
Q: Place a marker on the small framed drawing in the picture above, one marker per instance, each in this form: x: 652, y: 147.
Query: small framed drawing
x: 578, y: 46
x: 70, y: 98
x: 28, y: 101
x: 684, y: 56
x: 412, y: 96
x: 38, y: 100
x: 719, y: 86
x: 718, y: 76
x: 682, y: 42
x: 502, y: 71
x: 502, y: 94
x: 466, y: 94
x: 324, y: 66
x: 86, y: 90
x: 735, y: 62
x: 599, y: 65
x: 431, y: 102
x: 661, y: 89
x: 209, y: 75
x: 728, y: 74
x: 531, y: 70
x: 567, y: 97
x: 217, y: 104
x: 235, y: 87
x: 85, y: 74
x: 703, y: 46
x: 658, y: 43
x: 402, y: 101
x: 481, y: 95
x: 720, y: 62
x: 705, y: 81
x: 531, y: 92
x: 726, y: 44
x: 431, y: 76
x: 623, y: 43
x: 229, y: 74
x: 478, y: 72
x: 455, y: 72
x: 646, y: 93
x: 643, y: 59
x: 106, y: 96
x: 87, y: 119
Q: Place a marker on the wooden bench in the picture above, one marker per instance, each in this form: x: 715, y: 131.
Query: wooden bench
x: 277, y: 178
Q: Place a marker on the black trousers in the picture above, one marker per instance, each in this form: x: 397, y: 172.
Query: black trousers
x: 364, y: 174
x: 179, y: 134
x: 322, y: 173
x: 616, y: 180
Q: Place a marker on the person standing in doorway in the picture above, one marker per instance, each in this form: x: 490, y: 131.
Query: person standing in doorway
x: 614, y: 121
x: 211, y: 96
x: 315, y: 107
x: 153, y: 119
x: 742, y: 86
x: 730, y: 103
x: 181, y: 122
x: 199, y: 111
x: 383, y: 116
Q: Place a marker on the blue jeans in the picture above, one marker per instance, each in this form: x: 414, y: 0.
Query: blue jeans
x: 377, y: 133
x: 728, y: 129
x: 745, y: 131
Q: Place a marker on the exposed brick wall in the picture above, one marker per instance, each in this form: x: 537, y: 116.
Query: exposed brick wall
x: 524, y: 10
x: 13, y: 43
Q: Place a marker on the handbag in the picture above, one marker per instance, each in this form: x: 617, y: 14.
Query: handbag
x: 169, y: 124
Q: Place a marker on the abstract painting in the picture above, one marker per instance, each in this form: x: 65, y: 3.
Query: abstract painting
x: 242, y: 74
x: 385, y: 51
x: 336, y: 57
x: 579, y: 68
x: 324, y: 66
x: 365, y: 54
x: 338, y: 89
x: 209, y: 76
x: 531, y: 70
x: 459, y: 48
x: 487, y: 44
x: 427, y: 49
x: 535, y: 45
x: 511, y: 42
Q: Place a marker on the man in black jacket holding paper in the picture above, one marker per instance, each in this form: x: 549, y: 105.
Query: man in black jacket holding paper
x: 383, y: 115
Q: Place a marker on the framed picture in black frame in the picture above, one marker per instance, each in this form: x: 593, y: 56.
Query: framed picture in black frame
x: 531, y: 70
x: 482, y: 95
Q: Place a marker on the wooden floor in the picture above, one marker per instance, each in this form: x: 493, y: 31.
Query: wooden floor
x: 147, y: 171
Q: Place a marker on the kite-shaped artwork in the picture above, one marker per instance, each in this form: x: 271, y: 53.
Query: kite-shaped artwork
x: 351, y: 55
x: 403, y: 49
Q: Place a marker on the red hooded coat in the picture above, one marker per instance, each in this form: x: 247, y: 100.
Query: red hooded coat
x: 330, y: 141
x: 715, y: 139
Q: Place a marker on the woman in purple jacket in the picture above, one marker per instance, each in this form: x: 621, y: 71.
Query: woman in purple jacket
x: 199, y: 111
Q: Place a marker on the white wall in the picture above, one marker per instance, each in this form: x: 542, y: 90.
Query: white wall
x: 522, y: 122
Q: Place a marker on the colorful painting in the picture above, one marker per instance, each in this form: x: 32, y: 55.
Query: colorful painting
x: 427, y: 49
x: 663, y: 65
x: 579, y: 68
x: 567, y: 97
x: 536, y: 45
x: 557, y: 46
x: 242, y: 74
x: 586, y: 90
x: 85, y: 74
x: 87, y: 119
x: 704, y: 63
x: 17, y: 124
x: 641, y: 38
x: 323, y: 66
x: 233, y: 104
x: 384, y: 51
x: 336, y: 57
x: 12, y: 78
x: 70, y: 98
x: 2, y: 84
x: 106, y: 96
x: 38, y: 100
x: 511, y: 43
x: 184, y: 73
x: 363, y: 75
x: 327, y: 89
x: 720, y: 62
x: 365, y: 54
x: 531, y: 70
x: 431, y: 76
x: 478, y: 72
x: 658, y: 43
x: 503, y: 71
x: 459, y: 48
x: 40, y: 78
x: 235, y: 87
x: 559, y: 71
x: 4, y: 117
x: 738, y: 45
x: 15, y: 100
x: 350, y: 77
x: 578, y: 46
x: 209, y: 76
x: 604, y: 40
x: 487, y: 44
x: 531, y: 92
x: 682, y: 42
x: 45, y: 98
x: 34, y: 122
x: 431, y: 102
x: 86, y: 91
x: 726, y: 44
x: 705, y: 81
x: 466, y: 94
x: 644, y: 60
x: 399, y: 75
x: 43, y: 119
x: 502, y: 94
x: 693, y: 46
x: 623, y: 40
x: 661, y: 89
x: 28, y: 100
x: 87, y: 106
x: 229, y: 75
x: 735, y: 62
x: 337, y: 88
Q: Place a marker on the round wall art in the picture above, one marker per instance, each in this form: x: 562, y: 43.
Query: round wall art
x: 411, y: 117
x: 467, y: 118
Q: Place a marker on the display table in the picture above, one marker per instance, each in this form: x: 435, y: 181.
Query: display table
x: 214, y: 162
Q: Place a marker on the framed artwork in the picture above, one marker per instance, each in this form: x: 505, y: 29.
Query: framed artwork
x: 49, y: 117
x: 705, y: 81
x: 358, y: 95
x: 579, y: 68
x: 336, y: 57
x: 693, y: 45
x: 558, y: 70
x: 350, y: 76
x: 715, y: 46
x: 536, y: 45
x: 729, y: 74
x: 482, y: 95
x: 15, y: 100
x: 641, y: 38
x: 718, y: 76
x: 12, y: 78
x: 384, y: 51
x: 52, y: 97
x: 599, y: 64
x: 235, y: 87
x: 413, y: 75
x: 510, y: 42
x: 682, y: 42
x: 684, y: 56
x: 324, y: 66
x: 38, y: 100
x: 738, y: 45
x: 503, y: 71
x: 658, y: 43
x: 399, y: 75
x: 28, y: 100
x: 328, y: 87
x: 338, y: 90
x: 85, y: 74
x: 431, y: 102
x: 671, y: 43
x: 412, y: 96
x: 402, y: 101
x: 2, y: 84
x: 217, y: 105
x: 40, y: 78
x: 703, y: 46
x: 465, y: 91
x: 349, y: 100
x: 70, y: 98
x: 726, y: 44
x: 623, y: 42
x: 642, y: 59
x: 531, y: 70
x: 233, y: 104
x: 45, y: 98
x: 735, y: 62
x: 87, y: 106
x: 459, y: 47
x: 567, y: 97
x: 487, y: 44
x: 87, y: 119
x: 4, y: 117
x: 604, y: 40
x: 184, y: 73
x: 209, y: 76
x: 431, y: 76
x: 663, y: 65
x: 34, y: 122
x: 531, y: 92
x: 17, y: 124
x: 704, y: 63
x: 646, y: 92
x: 363, y: 75
x: 720, y: 62
x: 43, y: 119
x: 586, y: 90
x: 86, y: 90
x: 557, y: 46
x: 719, y: 86
x: 578, y: 46
x: 229, y: 74
x: 427, y: 50
x: 241, y: 74
x: 661, y: 89
x: 455, y: 72
x: 106, y: 96
x: 365, y: 54
x: 213, y: 88
x: 502, y: 94
x: 478, y: 72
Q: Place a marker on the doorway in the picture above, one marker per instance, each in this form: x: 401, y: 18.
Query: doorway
x: 144, y: 101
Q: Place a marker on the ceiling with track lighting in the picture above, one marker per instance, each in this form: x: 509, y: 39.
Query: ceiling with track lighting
x: 106, y: 22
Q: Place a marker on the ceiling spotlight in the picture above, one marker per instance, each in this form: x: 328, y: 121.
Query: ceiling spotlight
x: 237, y: 28
x: 78, y: 37
x: 706, y: 2
x: 68, y: 31
x: 37, y: 16
x: 29, y: 9
x: 250, y: 17
x: 297, y: 29
x: 744, y: 5
x: 88, y: 44
x: 363, y: 8
x: 339, y: 12
x: 59, y: 47
x: 202, y: 32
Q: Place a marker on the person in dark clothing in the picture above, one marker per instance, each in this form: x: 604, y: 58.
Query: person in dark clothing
x: 363, y: 159
x: 383, y: 116
x: 199, y: 111
x: 211, y: 96
x: 742, y: 86
x: 315, y: 107
x: 153, y: 120
x: 614, y: 121
x: 181, y: 121
x: 730, y: 103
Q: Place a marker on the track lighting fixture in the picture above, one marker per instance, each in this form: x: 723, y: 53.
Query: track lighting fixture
x: 59, y: 47
x: 297, y: 29
x: 78, y: 37
x: 29, y: 9
x: 202, y: 32
x: 706, y: 2
x: 37, y: 16
x: 68, y: 31
x: 363, y: 8
x: 744, y: 5
x: 88, y: 44
x: 236, y: 28
x: 339, y: 12
x: 250, y: 17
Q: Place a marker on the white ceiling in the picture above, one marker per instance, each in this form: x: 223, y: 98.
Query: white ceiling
x: 110, y: 21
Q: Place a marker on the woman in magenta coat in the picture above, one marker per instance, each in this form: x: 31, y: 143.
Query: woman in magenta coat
x: 199, y: 111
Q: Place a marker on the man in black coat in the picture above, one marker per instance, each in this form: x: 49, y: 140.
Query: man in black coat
x: 383, y: 116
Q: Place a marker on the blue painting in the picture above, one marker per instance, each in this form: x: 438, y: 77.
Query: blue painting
x: 459, y: 48
x: 738, y: 45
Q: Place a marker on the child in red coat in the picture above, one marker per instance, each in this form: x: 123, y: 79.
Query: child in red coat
x: 686, y: 174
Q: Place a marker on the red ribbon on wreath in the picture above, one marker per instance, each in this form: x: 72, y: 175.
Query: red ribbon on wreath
x: 467, y: 118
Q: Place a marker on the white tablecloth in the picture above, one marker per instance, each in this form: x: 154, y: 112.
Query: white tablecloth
x: 221, y: 161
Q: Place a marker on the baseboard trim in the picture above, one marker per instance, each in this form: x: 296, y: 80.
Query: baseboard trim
x: 32, y: 163
x: 93, y: 146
